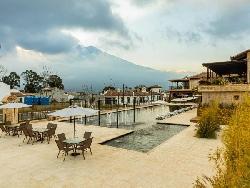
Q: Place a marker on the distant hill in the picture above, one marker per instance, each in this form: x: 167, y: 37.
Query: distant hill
x: 91, y: 66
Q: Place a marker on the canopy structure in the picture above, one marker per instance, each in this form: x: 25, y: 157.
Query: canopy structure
x: 228, y: 67
x: 74, y: 111
x: 14, y: 105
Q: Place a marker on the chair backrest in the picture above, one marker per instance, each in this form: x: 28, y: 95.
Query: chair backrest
x: 51, y: 125
x: 29, y: 126
x: 25, y: 131
x: 61, y: 137
x: 22, y: 126
x: 88, y: 142
x: 27, y: 122
x: 87, y: 135
x: 51, y: 131
x: 30, y: 132
x: 60, y: 144
x: 2, y: 128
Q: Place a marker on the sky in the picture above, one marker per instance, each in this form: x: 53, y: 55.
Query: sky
x: 169, y: 35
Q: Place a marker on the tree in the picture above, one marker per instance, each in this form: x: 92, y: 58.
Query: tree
x: 45, y: 74
x: 13, y: 79
x: 33, y: 81
x: 55, y: 81
x: 107, y: 88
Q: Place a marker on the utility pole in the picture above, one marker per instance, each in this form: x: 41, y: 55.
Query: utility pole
x: 99, y: 112
x: 117, y: 110
x: 123, y: 95
x: 134, y: 108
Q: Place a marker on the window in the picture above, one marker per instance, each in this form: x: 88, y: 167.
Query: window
x: 128, y: 100
x: 236, y: 97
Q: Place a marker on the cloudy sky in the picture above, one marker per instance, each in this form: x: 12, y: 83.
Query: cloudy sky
x: 171, y: 35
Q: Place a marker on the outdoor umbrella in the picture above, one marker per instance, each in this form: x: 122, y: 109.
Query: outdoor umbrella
x: 74, y: 111
x: 14, y: 105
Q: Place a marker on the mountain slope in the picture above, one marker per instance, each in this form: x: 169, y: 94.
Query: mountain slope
x: 90, y: 66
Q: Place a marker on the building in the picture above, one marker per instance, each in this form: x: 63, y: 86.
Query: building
x: 185, y: 87
x: 141, y: 95
x: 56, y: 94
x: 4, y: 91
x: 227, y: 81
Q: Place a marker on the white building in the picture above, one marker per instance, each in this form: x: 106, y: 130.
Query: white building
x: 4, y: 90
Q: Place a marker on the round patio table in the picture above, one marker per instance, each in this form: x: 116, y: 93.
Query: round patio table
x: 74, y: 142
x: 41, y: 131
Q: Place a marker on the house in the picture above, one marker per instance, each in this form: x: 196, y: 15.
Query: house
x: 227, y: 81
x: 56, y: 94
x: 4, y: 91
x: 139, y: 94
x: 186, y: 86
x: 155, y: 89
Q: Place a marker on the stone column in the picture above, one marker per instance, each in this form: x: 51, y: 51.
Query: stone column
x: 248, y: 67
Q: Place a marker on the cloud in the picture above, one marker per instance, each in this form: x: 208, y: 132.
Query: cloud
x: 183, y: 36
x: 231, y: 22
x: 143, y: 2
x: 37, y: 24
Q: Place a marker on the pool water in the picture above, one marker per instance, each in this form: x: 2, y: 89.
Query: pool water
x: 144, y: 140
x: 145, y: 117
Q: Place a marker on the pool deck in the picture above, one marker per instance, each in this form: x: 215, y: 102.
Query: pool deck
x: 175, y: 163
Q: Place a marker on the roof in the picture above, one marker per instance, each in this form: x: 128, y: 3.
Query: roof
x: 240, y: 56
x: 128, y: 93
x: 227, y: 67
x: 198, y: 76
x: 155, y: 86
x: 180, y: 80
x: 187, y: 78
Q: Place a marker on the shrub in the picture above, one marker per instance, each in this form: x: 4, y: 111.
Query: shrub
x: 232, y: 161
x: 209, y: 122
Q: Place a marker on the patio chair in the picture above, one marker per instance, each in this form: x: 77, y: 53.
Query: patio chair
x: 33, y: 136
x: 26, y: 134
x: 51, y: 125
x: 61, y: 137
x: 87, y: 135
x: 4, y: 129
x: 48, y: 134
x: 20, y: 128
x: 83, y: 146
x: 63, y: 147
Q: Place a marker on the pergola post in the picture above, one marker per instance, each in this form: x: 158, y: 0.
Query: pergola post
x: 248, y: 67
x: 207, y: 74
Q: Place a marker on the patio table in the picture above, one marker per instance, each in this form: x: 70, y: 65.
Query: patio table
x: 74, y: 142
x: 13, y: 128
x: 41, y: 131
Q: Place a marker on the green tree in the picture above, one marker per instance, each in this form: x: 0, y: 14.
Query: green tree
x: 106, y: 88
x: 13, y: 79
x: 55, y: 81
x: 33, y: 81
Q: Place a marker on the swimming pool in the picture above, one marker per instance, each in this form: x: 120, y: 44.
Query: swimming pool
x: 144, y: 140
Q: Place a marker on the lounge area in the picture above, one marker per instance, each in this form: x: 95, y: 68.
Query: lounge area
x: 174, y: 163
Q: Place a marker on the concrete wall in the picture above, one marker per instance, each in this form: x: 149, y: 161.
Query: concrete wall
x: 193, y: 83
x: 227, y: 94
